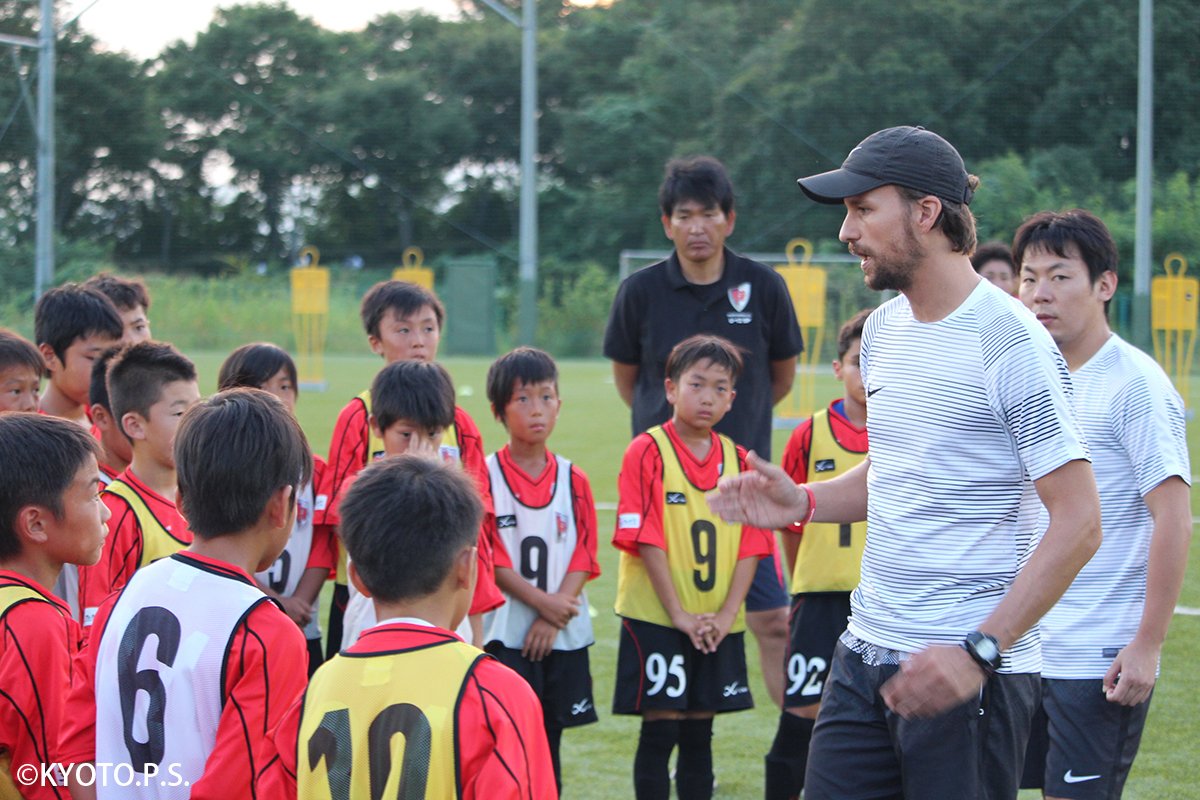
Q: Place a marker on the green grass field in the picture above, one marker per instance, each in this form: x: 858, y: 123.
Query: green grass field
x: 593, y: 431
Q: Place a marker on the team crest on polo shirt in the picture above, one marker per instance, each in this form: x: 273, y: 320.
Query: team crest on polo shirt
x: 739, y: 297
x: 561, y: 521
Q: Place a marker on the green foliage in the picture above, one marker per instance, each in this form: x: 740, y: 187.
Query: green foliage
x: 573, y: 310
x: 408, y: 132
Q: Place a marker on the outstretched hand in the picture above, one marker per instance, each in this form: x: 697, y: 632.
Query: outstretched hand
x: 764, y: 496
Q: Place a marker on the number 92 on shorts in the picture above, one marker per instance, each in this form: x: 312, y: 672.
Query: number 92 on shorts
x: 659, y: 669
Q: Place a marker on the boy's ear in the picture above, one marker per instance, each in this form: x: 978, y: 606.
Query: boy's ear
x: 671, y: 389
x: 53, y: 364
x: 101, y: 415
x: 356, y: 579
x: 375, y: 343
x: 279, y: 507
x: 133, y: 425
x: 466, y: 567
x: 30, y: 524
x: 374, y: 423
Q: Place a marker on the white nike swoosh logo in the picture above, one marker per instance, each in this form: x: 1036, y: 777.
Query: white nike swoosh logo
x: 1069, y: 778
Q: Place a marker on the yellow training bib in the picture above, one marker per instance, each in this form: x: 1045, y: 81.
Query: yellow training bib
x: 384, y: 725
x: 830, y: 555
x: 157, y: 541
x: 702, y: 549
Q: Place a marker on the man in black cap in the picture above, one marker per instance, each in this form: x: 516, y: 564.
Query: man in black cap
x: 934, y: 682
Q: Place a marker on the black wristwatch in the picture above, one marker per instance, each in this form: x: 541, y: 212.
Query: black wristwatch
x: 984, y: 649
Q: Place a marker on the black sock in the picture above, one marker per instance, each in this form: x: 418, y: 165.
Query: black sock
x: 788, y: 758
x: 554, y: 737
x: 651, y: 781
x: 694, y: 767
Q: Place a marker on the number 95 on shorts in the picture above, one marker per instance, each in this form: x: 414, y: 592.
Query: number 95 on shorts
x: 659, y: 669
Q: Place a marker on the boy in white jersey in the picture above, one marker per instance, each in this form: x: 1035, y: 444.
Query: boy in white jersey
x: 952, y: 586
x: 190, y: 664
x: 545, y: 541
x: 1101, y: 641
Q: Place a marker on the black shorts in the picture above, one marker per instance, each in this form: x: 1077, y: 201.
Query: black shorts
x: 861, y: 749
x: 817, y: 620
x: 766, y: 590
x: 562, y: 681
x: 658, y: 669
x: 1082, y: 746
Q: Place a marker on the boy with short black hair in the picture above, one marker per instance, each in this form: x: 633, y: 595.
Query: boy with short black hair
x: 412, y: 403
x: 825, y: 563
x: 115, y: 449
x: 72, y: 326
x: 545, y: 538
x: 114, y: 457
x: 296, y: 577
x: 151, y: 385
x: 472, y: 727
x: 218, y: 658
x: 684, y: 574
x: 21, y: 370
x: 49, y: 516
x: 132, y: 301
x: 403, y: 322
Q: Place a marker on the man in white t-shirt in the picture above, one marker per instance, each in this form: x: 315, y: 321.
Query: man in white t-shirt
x: 1101, y: 642
x: 935, y: 681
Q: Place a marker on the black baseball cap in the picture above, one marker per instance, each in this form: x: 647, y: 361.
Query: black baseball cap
x: 907, y: 156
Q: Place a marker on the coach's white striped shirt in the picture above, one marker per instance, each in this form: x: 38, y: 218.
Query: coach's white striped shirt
x: 1137, y: 434
x: 963, y: 414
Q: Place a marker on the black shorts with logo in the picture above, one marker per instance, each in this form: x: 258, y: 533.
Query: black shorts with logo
x: 659, y: 669
x: 562, y: 681
x: 817, y: 620
x: 1081, y: 745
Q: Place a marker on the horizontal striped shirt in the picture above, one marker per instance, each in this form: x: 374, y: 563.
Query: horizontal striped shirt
x: 963, y: 414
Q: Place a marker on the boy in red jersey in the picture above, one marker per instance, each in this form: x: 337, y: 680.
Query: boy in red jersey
x: 72, y: 326
x: 150, y: 386
x: 189, y: 666
x: 472, y: 727
x: 545, y: 541
x: 21, y: 369
x: 412, y: 405
x: 113, y: 456
x: 50, y: 514
x: 403, y: 322
x: 825, y: 563
x: 684, y: 575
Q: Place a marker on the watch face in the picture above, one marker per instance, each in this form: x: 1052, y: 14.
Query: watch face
x: 985, y: 647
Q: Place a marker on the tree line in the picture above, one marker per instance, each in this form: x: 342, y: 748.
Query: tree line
x: 268, y: 132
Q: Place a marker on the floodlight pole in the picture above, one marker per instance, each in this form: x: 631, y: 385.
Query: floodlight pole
x: 1143, y: 220
x: 527, y: 256
x: 43, y: 275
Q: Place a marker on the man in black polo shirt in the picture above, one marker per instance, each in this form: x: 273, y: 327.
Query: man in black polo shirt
x: 706, y: 288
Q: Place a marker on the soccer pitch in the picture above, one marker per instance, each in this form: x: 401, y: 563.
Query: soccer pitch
x: 593, y: 431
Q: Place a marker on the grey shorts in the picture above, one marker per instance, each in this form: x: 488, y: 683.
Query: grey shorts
x: 862, y: 751
x: 1082, y: 746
